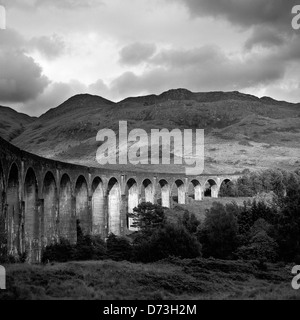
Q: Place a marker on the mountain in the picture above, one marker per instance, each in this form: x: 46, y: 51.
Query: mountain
x: 12, y: 123
x: 242, y: 131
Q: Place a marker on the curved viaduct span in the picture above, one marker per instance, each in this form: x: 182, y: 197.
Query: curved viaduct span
x: 42, y: 199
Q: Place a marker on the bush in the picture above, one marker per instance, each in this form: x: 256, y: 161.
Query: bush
x: 61, y: 251
x: 170, y: 240
x: 118, y: 248
x: 261, y: 247
x: 89, y: 248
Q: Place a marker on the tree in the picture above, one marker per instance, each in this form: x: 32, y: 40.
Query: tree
x: 219, y: 233
x: 147, y: 217
x: 288, y: 223
x: 190, y: 222
x: 261, y: 246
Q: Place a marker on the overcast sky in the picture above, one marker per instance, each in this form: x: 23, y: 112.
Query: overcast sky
x: 52, y: 50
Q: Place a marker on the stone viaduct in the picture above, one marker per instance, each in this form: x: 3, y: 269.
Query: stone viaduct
x: 41, y: 199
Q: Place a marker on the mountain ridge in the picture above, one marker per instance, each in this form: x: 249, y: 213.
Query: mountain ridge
x: 241, y: 131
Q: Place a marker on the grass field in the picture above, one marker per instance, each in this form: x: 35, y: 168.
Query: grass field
x: 173, y: 279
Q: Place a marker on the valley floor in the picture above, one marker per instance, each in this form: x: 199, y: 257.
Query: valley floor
x: 194, y: 279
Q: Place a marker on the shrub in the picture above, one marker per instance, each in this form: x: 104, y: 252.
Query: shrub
x: 118, y: 248
x: 61, y: 251
x: 261, y: 247
x: 170, y: 240
x: 89, y: 248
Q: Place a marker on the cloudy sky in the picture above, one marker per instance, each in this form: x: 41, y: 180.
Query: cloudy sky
x: 52, y: 49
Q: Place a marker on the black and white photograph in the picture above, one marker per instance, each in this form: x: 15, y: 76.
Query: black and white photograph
x: 149, y: 151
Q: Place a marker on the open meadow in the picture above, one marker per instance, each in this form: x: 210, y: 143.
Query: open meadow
x: 189, y: 279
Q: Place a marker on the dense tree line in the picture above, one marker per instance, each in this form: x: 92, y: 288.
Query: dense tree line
x: 257, y: 230
x: 253, y: 183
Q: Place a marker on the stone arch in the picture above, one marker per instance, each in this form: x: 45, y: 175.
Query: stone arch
x: 132, y: 193
x: 147, y: 191
x: 223, y: 186
x: 82, y: 211
x: 195, y: 190
x: 32, y: 217
x: 98, y: 215
x: 164, y: 193
x: 67, y: 222
x: 211, y: 188
x: 13, y: 211
x: 49, y: 219
x: 114, y: 206
x: 178, y: 192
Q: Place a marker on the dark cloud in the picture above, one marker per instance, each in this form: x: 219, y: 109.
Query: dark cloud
x: 290, y: 52
x: 21, y: 78
x: 11, y: 39
x: 265, y: 37
x: 201, y: 69
x: 244, y: 12
x: 51, y: 47
x: 137, y: 53
x: 184, y: 58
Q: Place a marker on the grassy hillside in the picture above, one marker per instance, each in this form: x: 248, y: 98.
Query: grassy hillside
x: 241, y: 131
x: 172, y: 279
x: 12, y: 123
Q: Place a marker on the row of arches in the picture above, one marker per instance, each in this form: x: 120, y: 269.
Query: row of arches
x: 33, y: 220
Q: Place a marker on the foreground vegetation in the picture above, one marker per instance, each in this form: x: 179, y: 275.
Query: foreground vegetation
x: 172, y: 278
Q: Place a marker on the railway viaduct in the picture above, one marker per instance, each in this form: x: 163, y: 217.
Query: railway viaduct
x: 41, y: 199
